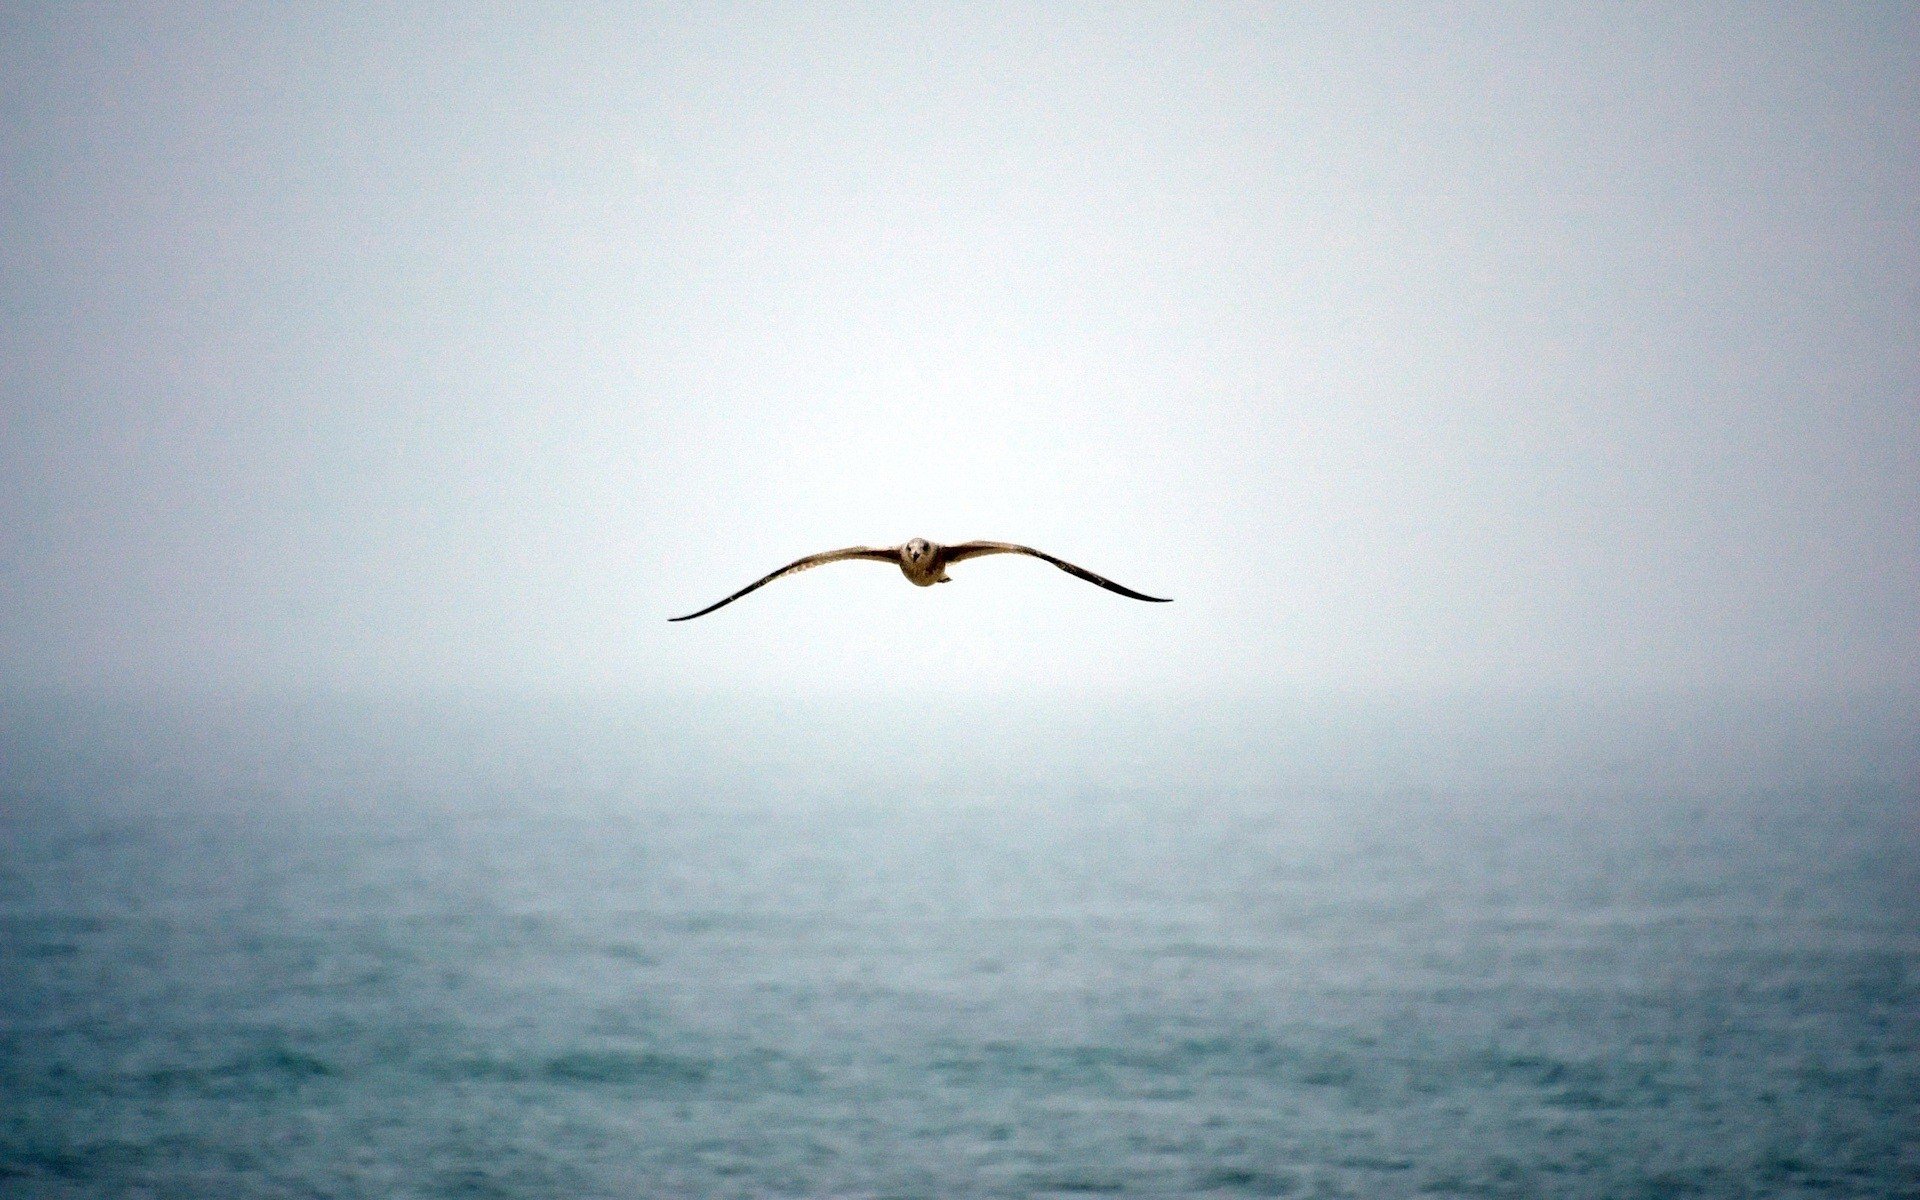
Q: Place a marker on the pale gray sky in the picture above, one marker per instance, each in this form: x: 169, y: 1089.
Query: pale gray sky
x: 1417, y: 351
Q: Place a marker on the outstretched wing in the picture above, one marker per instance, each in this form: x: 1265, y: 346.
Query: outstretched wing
x: 812, y: 560
x: 966, y: 550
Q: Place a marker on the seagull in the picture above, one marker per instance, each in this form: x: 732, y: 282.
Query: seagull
x: 924, y: 564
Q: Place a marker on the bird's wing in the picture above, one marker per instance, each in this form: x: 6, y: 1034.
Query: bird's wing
x: 966, y: 550
x: 812, y: 560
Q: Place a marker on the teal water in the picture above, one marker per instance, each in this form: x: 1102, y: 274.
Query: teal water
x: 290, y: 990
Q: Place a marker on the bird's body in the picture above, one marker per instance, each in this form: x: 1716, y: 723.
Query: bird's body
x: 924, y: 564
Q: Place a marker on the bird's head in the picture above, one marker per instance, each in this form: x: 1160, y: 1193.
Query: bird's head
x: 919, y: 550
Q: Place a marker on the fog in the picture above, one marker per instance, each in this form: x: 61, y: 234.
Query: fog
x: 1495, y: 369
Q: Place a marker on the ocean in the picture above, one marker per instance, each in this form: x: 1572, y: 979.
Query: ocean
x: 297, y: 988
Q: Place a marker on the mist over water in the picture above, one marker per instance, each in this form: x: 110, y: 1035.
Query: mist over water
x: 351, y: 957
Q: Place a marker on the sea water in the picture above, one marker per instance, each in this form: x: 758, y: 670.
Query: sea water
x: 289, y: 989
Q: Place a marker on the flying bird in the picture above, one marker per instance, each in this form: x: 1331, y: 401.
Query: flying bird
x: 924, y: 564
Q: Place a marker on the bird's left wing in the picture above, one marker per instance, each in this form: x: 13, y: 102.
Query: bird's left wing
x: 801, y: 564
x: 966, y: 550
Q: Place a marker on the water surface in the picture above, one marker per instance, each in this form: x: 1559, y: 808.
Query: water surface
x: 520, y: 991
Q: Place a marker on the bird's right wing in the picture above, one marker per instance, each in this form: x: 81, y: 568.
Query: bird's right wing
x: 803, y: 564
x: 967, y: 550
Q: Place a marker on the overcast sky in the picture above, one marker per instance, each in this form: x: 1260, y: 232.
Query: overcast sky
x: 1484, y: 350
